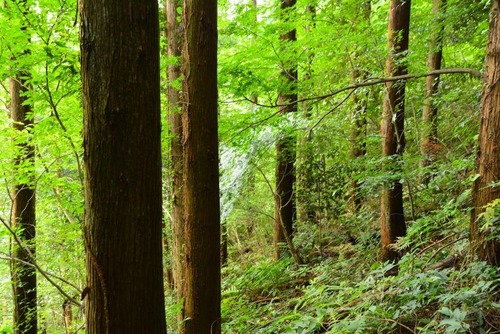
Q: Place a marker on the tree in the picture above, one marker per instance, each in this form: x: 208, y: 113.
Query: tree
x: 429, y: 145
x: 174, y: 49
x: 119, y: 42
x: 23, y: 220
x: 486, y: 190
x: 285, y: 206
x: 23, y: 216
x: 357, y: 136
x: 392, y: 129
x: 202, y: 291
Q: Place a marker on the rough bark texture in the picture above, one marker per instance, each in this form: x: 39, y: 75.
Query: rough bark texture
x: 285, y: 206
x: 174, y: 49
x: 201, y: 176
x: 488, y: 159
x: 119, y: 43
x: 393, y: 138
x: 430, y: 145
x: 23, y: 214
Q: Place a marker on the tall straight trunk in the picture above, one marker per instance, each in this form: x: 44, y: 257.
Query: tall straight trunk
x: 23, y: 214
x: 486, y: 188
x: 174, y: 49
x: 202, y: 291
x: 392, y: 129
x: 119, y: 42
x: 23, y: 219
x: 305, y: 155
x: 429, y: 145
x: 357, y: 136
x: 285, y: 206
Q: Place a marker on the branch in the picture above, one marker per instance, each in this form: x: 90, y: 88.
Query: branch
x: 376, y: 81
x: 11, y: 258
x: 35, y: 264
x: 366, y: 83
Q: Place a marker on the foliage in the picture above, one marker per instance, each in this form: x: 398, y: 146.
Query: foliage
x: 343, y: 288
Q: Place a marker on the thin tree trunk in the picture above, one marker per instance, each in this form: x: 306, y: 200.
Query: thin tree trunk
x: 119, y: 42
x: 68, y: 316
x: 305, y: 170
x: 357, y: 136
x: 174, y: 49
x: 393, y: 137
x: 486, y: 188
x: 23, y: 216
x: 430, y: 145
x: 23, y: 219
x: 202, y: 291
x: 285, y: 206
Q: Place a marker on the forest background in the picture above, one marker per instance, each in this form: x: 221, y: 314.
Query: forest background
x: 331, y: 277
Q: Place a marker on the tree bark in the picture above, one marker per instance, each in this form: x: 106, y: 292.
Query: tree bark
x: 119, y: 42
x: 23, y: 214
x: 174, y: 49
x: 202, y: 291
x: 285, y: 206
x: 357, y: 136
x: 306, y: 203
x: 430, y: 145
x: 23, y: 219
x: 393, y: 137
x: 486, y: 188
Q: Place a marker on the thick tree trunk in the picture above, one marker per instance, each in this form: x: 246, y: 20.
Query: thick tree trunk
x: 486, y: 188
x: 174, y: 49
x: 285, y: 206
x: 202, y: 291
x: 393, y: 137
x: 23, y: 213
x: 430, y: 145
x: 119, y: 43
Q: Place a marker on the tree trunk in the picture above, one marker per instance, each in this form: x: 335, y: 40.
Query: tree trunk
x: 285, y: 206
x: 119, y: 43
x: 67, y: 316
x: 357, y: 136
x: 174, y: 49
x: 23, y: 212
x: 306, y: 204
x: 486, y: 188
x: 202, y: 291
x: 430, y: 145
x: 393, y: 137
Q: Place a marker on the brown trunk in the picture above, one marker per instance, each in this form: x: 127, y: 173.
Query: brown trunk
x: 305, y: 154
x: 357, y: 136
x: 119, y: 42
x: 223, y: 245
x: 429, y: 145
x: 393, y: 138
x: 23, y: 213
x: 284, y: 207
x: 68, y: 316
x: 202, y: 291
x: 486, y: 188
x: 174, y: 49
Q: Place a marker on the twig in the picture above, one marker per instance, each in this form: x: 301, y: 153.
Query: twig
x: 441, y: 248
x: 35, y: 264
x: 11, y: 258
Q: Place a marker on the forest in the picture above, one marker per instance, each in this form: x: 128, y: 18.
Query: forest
x: 249, y: 166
